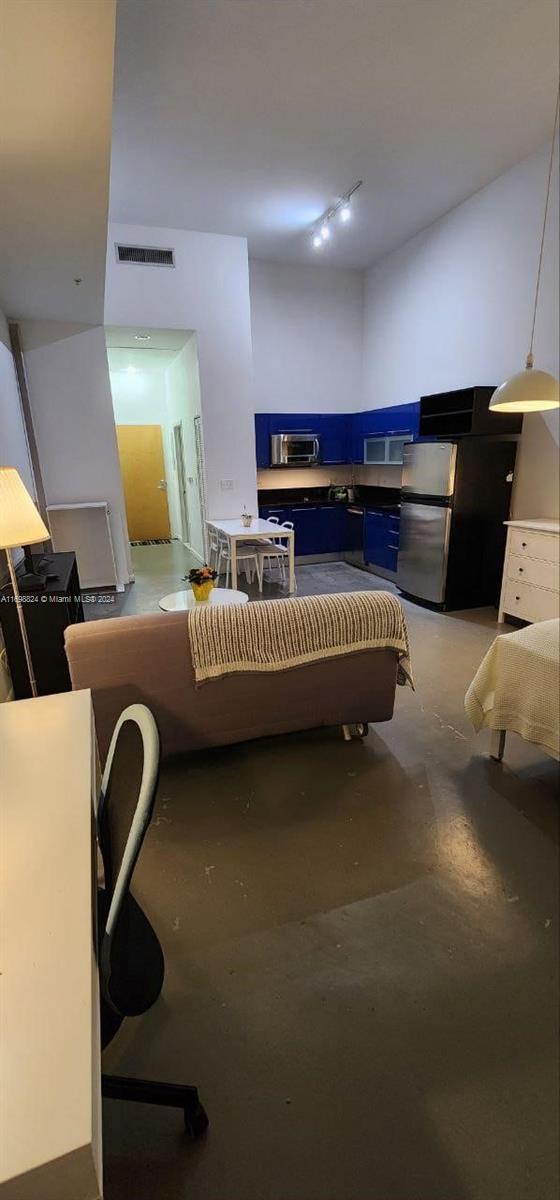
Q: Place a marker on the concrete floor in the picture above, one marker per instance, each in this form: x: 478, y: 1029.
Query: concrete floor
x: 361, y: 944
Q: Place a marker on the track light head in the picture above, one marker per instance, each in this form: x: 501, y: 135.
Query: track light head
x: 317, y: 241
x: 345, y: 212
x: 325, y: 231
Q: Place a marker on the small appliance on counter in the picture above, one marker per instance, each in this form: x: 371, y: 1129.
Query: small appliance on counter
x: 342, y: 494
x: 455, y: 497
x: 302, y: 449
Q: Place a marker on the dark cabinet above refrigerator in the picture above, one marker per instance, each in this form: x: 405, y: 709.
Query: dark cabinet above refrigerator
x: 465, y: 412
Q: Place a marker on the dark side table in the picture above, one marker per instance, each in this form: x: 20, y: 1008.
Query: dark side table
x: 47, y: 613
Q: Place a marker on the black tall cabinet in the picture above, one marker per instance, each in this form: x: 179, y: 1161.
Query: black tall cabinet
x: 47, y: 614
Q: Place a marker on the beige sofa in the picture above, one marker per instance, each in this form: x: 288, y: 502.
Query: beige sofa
x: 147, y: 658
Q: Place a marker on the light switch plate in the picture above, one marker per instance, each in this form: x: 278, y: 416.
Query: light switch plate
x: 226, y: 485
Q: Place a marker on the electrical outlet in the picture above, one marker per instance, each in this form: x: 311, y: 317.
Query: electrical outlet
x: 226, y: 485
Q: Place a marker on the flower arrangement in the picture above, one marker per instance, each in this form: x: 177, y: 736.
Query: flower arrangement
x: 202, y: 581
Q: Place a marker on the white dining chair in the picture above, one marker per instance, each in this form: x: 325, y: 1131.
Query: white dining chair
x: 274, y: 554
x: 213, y: 549
x: 247, y: 557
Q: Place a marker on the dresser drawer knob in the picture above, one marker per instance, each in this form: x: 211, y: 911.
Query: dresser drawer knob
x: 518, y: 597
x: 524, y: 544
x: 521, y: 570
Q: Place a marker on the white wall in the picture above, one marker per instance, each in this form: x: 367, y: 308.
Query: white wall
x: 208, y: 292
x: 452, y: 307
x: 307, y: 337
x: 184, y: 404
x: 70, y: 398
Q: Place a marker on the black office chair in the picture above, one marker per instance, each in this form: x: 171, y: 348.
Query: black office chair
x: 131, y: 964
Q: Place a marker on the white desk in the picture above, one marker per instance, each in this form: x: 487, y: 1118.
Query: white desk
x: 50, y: 1098
x: 259, y: 528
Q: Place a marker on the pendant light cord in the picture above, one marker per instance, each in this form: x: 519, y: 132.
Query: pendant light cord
x: 539, y: 269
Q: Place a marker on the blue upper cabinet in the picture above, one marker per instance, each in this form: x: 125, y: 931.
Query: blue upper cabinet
x: 342, y: 434
x: 262, y: 438
x: 382, y: 422
x: 334, y: 429
x: 294, y: 422
x: 402, y: 418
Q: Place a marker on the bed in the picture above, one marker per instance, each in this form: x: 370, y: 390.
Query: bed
x: 517, y: 688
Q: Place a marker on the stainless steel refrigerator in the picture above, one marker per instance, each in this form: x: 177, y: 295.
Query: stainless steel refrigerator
x: 455, y: 497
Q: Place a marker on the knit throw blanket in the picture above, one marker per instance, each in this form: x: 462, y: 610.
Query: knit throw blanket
x: 274, y: 635
x: 517, y: 685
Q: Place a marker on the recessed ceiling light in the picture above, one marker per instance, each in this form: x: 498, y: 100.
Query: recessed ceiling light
x: 142, y: 337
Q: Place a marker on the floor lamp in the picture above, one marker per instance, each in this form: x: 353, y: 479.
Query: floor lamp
x: 20, y: 525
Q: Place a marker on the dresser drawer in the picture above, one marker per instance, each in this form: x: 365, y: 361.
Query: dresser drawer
x: 530, y: 603
x: 535, y: 545
x: 533, y: 570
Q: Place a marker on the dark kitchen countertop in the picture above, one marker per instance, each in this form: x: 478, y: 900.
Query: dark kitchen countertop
x: 386, y: 499
x: 286, y: 497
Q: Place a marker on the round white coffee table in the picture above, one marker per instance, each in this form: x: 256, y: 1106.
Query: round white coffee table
x: 181, y: 601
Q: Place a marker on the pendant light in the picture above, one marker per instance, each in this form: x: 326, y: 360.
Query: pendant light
x: 530, y: 390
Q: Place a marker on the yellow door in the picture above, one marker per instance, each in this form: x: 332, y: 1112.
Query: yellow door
x: 143, y: 474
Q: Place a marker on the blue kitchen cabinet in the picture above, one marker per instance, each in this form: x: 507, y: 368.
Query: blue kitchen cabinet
x: 356, y: 438
x: 380, y: 539
x: 294, y: 422
x: 401, y: 418
x: 283, y: 512
x: 307, y: 526
x: 262, y: 439
x: 319, y: 529
x: 333, y: 429
x: 341, y: 434
x: 332, y: 529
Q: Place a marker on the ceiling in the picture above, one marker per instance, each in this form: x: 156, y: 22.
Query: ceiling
x: 252, y: 116
x: 124, y: 352
x: 56, y: 73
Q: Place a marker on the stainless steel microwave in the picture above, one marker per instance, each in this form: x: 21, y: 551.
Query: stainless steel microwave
x: 295, y: 449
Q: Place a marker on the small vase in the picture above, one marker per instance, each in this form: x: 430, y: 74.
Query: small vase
x: 246, y: 518
x: 202, y: 591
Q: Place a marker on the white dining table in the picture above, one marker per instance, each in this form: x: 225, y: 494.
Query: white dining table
x: 259, y: 529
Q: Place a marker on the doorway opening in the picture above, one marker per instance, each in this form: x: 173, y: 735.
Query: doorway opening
x: 158, y: 422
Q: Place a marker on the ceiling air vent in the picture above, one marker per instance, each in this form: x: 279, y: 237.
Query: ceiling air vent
x: 152, y: 256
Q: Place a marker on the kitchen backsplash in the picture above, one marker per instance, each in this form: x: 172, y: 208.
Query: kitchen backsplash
x: 305, y: 477
x: 378, y: 476
x: 312, y: 477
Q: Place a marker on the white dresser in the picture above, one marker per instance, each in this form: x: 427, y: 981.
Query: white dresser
x: 531, y: 580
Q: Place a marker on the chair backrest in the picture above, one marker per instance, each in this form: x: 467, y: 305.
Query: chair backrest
x: 274, y: 520
x: 128, y: 791
x: 224, y: 545
x: 285, y: 525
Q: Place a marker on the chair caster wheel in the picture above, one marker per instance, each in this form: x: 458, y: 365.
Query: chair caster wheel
x: 196, y: 1122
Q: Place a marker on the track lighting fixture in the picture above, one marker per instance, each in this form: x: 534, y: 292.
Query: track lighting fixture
x: 321, y: 231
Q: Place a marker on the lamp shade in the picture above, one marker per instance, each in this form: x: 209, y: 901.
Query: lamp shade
x: 528, y: 391
x: 20, y: 523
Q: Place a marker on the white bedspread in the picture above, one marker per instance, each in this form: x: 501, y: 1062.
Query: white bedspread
x: 517, y: 685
